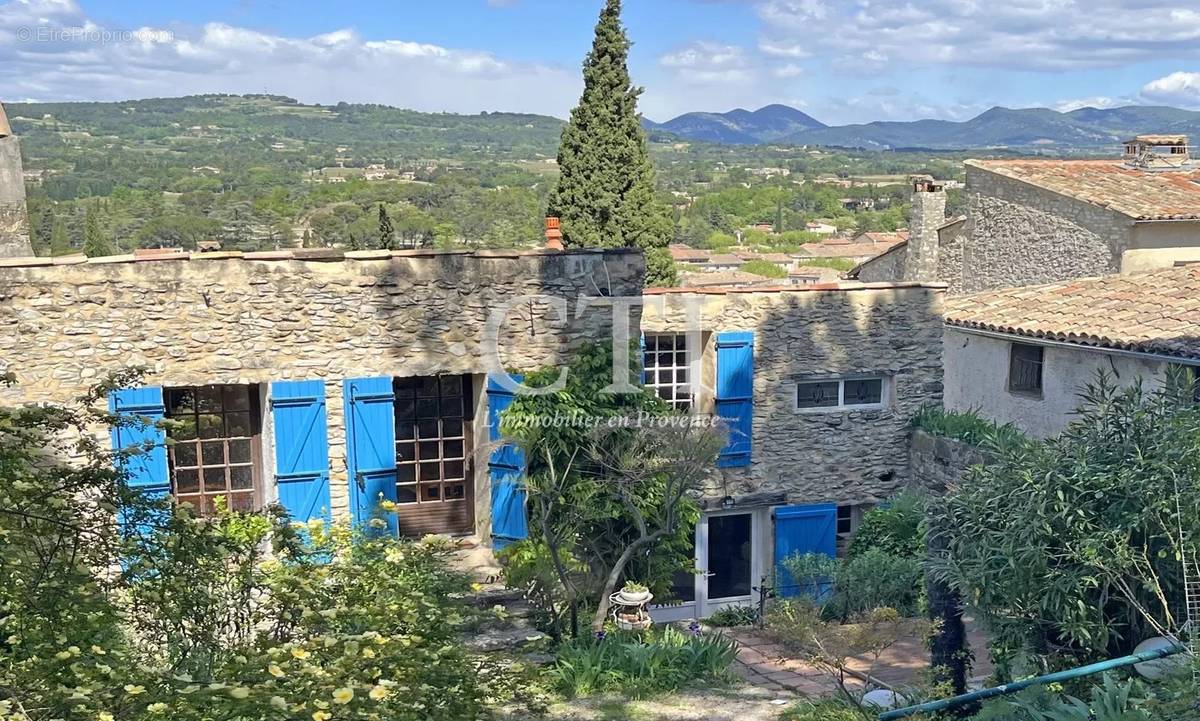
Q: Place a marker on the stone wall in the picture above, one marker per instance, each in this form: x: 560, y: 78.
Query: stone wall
x: 259, y: 317
x: 927, y: 215
x: 884, y: 268
x: 845, y: 457
x: 937, y: 462
x: 14, y: 221
x: 1019, y: 234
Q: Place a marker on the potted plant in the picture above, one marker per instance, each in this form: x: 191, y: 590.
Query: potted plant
x: 634, y: 594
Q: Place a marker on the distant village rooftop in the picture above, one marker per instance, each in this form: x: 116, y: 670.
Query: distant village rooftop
x: 1142, y: 193
x: 1154, y: 312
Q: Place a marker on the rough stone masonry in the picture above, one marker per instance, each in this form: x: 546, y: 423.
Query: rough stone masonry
x: 820, y: 332
x: 14, y: 219
x: 229, y: 318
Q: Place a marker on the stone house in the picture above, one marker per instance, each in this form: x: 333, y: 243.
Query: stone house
x: 312, y: 378
x: 1022, y: 356
x: 1032, y: 221
x: 819, y: 384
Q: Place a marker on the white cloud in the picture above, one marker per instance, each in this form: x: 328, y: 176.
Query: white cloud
x: 1096, y: 101
x: 50, y: 49
x: 1178, y: 88
x: 706, y: 62
x: 1024, y: 34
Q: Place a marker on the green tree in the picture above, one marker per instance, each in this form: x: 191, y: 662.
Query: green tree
x: 605, y: 193
x: 765, y: 268
x: 387, y: 234
x: 95, y: 244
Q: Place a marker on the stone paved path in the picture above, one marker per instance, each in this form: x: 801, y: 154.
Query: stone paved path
x: 764, y: 663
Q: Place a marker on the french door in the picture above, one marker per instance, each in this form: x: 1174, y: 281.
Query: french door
x: 729, y: 566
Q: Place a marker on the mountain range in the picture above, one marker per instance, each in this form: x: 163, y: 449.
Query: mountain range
x: 998, y: 127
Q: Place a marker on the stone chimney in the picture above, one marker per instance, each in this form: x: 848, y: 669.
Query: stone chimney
x: 14, y: 219
x: 928, y: 214
x: 554, y: 236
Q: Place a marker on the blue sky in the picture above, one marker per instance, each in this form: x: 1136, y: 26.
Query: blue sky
x: 840, y: 60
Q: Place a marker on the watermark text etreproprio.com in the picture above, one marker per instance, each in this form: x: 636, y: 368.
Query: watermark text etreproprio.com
x: 45, y: 34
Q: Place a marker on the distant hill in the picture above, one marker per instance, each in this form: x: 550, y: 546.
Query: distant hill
x: 739, y: 127
x: 1042, y: 128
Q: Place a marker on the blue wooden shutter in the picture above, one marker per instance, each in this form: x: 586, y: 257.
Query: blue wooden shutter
x: 371, y: 446
x: 301, y: 449
x: 146, y: 470
x: 803, y: 529
x: 506, y: 469
x: 735, y: 395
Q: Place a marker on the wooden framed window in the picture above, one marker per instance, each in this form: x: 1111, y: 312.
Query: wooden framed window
x: 434, y: 488
x: 1025, y: 365
x: 667, y: 371
x: 863, y: 393
x: 215, y: 449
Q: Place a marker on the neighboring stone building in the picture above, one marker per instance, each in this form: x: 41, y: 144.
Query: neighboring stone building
x: 858, y: 249
x: 1023, y: 355
x: 820, y: 385
x: 1032, y: 221
x: 314, y: 378
x: 14, y: 219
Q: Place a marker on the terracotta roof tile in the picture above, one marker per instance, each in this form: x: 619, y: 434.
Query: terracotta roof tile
x: 1155, y: 311
x: 1139, y: 194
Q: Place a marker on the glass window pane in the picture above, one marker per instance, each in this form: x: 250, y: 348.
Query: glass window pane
x: 427, y: 408
x: 208, y: 398
x: 185, y: 454
x: 182, y: 427
x: 214, y: 478
x: 455, y: 491
x: 454, y: 469
x: 406, y: 409
x: 431, y: 492
x: 729, y: 553
x: 238, y: 424
x: 180, y: 400
x: 428, y: 429
x: 864, y: 392
x: 237, y: 398
x: 406, y: 494
x: 431, y: 471
x: 430, y: 450
x: 452, y: 428
x: 406, y: 451
x: 241, y: 501
x: 212, y: 426
x: 241, y: 478
x: 665, y: 375
x: 428, y: 387
x: 817, y: 395
x: 187, y: 481
x: 452, y: 386
x: 406, y: 473
x: 452, y: 449
x: 406, y: 431
x: 239, y: 451
x: 214, y: 453
x: 407, y: 387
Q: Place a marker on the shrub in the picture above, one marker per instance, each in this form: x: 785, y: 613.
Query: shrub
x: 1112, y: 700
x: 635, y: 665
x: 806, y: 574
x: 734, y: 616
x: 894, y: 528
x: 765, y: 268
x: 822, y: 711
x: 875, y: 579
x: 967, y: 426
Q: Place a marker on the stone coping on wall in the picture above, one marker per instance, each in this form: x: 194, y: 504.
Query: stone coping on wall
x: 808, y: 288
x: 302, y: 254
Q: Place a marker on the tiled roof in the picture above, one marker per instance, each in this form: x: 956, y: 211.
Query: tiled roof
x: 817, y: 271
x: 1139, y: 194
x: 685, y: 253
x: 1155, y: 311
x: 843, y: 250
x: 881, y: 237
x: 724, y: 278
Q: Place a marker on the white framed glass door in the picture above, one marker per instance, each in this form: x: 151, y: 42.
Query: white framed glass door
x: 729, y: 566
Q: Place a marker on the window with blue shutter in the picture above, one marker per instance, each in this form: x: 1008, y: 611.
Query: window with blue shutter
x: 800, y: 530
x: 301, y: 449
x: 735, y: 395
x: 371, y: 447
x: 145, y: 467
x: 506, y: 469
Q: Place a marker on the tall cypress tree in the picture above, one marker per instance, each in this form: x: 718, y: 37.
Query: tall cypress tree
x: 605, y: 192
